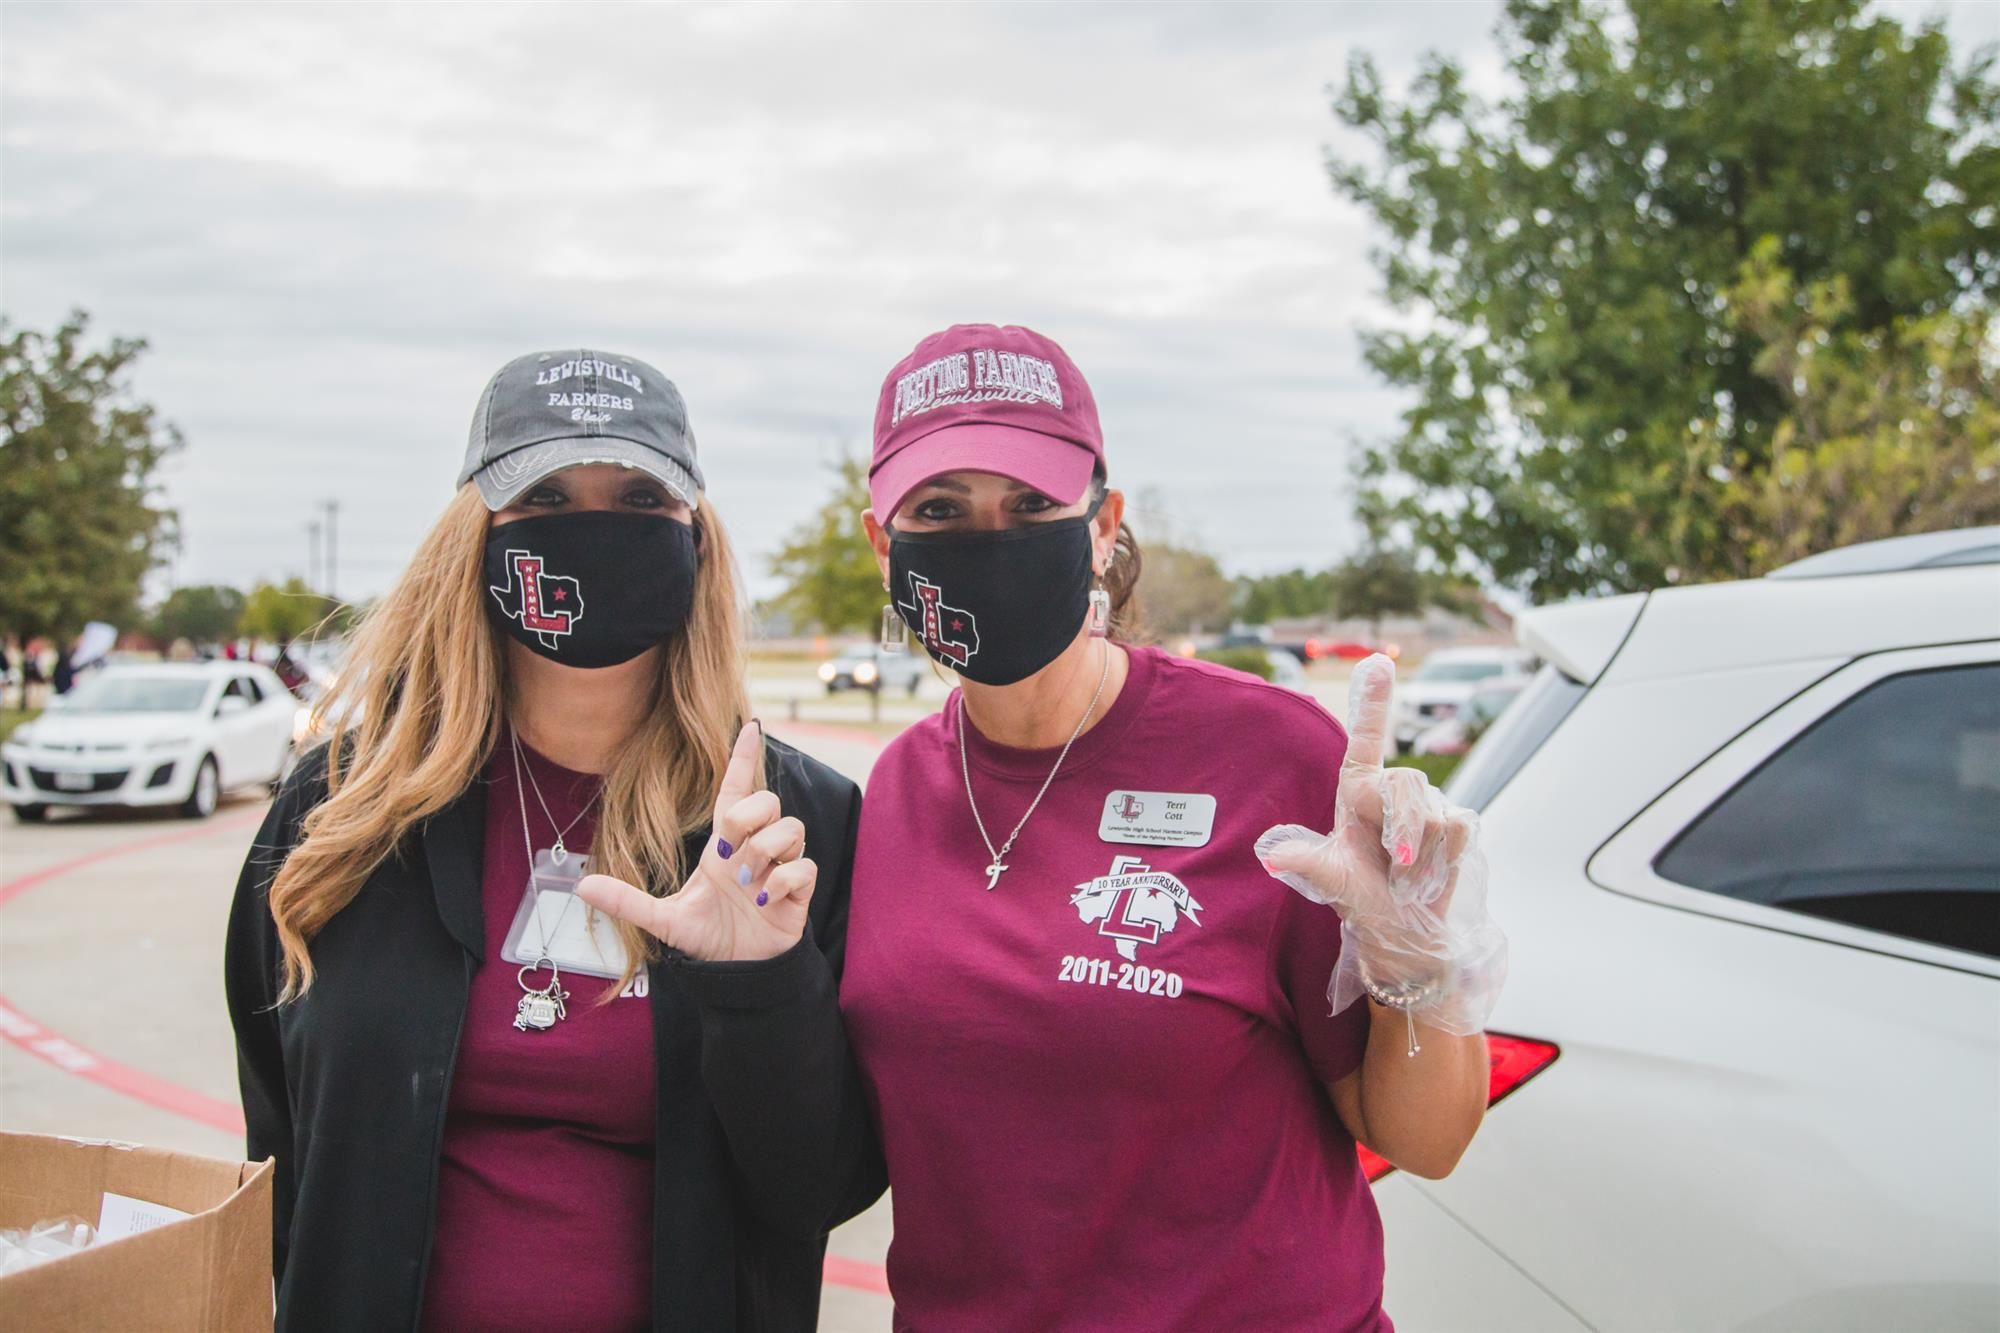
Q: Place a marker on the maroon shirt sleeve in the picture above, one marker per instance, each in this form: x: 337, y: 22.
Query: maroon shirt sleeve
x: 1305, y: 945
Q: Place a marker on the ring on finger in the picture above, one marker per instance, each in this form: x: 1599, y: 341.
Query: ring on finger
x: 764, y: 895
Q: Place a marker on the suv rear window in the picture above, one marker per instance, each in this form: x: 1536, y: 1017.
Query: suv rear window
x: 1884, y: 814
x: 1510, y: 742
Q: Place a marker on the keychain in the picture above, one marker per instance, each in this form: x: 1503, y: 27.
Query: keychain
x: 539, y: 1010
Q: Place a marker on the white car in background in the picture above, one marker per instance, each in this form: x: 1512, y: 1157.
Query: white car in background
x: 1481, y: 709
x: 1745, y: 839
x: 1442, y: 684
x: 154, y: 734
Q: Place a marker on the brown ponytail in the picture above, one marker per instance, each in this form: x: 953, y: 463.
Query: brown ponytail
x: 1121, y: 580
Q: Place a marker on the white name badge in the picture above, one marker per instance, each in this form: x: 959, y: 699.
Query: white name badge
x: 553, y: 923
x: 1158, y: 818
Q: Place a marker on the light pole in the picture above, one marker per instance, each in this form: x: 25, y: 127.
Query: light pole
x: 312, y: 553
x: 332, y: 526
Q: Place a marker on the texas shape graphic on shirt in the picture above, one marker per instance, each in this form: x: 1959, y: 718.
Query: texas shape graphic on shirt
x: 1133, y: 904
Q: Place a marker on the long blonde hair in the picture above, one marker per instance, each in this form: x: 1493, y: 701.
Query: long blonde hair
x: 418, y: 710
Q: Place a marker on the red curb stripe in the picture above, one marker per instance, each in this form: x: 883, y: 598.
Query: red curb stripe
x: 854, y: 1273
x: 66, y: 1055
x: 58, y: 1050
x: 71, y: 1058
x: 14, y: 888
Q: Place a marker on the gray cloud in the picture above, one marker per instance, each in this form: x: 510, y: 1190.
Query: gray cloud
x: 332, y: 222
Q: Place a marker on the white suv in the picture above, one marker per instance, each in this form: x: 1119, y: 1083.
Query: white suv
x: 1745, y: 839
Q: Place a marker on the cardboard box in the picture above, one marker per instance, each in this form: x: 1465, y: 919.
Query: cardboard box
x: 209, y: 1271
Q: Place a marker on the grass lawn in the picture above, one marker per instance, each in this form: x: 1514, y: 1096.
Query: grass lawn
x: 1436, y: 767
x: 11, y: 718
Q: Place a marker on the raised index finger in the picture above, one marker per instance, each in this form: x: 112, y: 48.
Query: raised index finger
x: 1368, y: 694
x: 740, y: 778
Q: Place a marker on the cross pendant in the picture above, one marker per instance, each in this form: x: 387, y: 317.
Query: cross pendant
x: 993, y: 873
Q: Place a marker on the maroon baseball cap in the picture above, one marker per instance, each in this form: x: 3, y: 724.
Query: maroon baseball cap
x: 984, y: 398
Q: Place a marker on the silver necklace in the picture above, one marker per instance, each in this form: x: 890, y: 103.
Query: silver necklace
x: 998, y: 866
x: 541, y: 1007
x: 560, y: 851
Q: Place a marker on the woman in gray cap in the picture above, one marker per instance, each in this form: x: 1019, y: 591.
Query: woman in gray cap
x: 491, y: 1106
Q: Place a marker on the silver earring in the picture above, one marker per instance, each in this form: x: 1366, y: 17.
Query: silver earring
x: 895, y: 639
x: 1100, y: 610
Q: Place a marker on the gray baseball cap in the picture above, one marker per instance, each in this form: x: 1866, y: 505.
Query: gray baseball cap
x: 550, y: 410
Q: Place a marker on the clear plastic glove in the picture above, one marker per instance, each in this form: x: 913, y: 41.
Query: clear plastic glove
x: 1403, y: 868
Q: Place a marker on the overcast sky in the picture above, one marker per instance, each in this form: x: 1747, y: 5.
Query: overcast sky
x: 333, y: 223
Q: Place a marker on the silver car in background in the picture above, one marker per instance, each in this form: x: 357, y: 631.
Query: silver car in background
x: 874, y: 670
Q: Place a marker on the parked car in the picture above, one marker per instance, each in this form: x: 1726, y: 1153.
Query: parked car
x: 1456, y: 734
x: 1745, y: 839
x: 1347, y: 650
x: 1443, y: 682
x: 1285, y: 669
x: 153, y: 734
x: 874, y: 670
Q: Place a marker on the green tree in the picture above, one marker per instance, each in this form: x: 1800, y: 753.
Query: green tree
x: 1885, y: 431
x: 1292, y: 593
x: 1566, y: 256
x: 1378, y: 582
x: 1184, y: 589
x: 80, y: 522
x: 280, y: 614
x: 199, y: 613
x: 831, y: 578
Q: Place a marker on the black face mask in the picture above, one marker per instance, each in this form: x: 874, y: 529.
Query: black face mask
x: 591, y: 589
x: 995, y: 607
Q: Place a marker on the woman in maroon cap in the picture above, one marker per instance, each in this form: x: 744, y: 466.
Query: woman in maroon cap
x: 1119, y: 1072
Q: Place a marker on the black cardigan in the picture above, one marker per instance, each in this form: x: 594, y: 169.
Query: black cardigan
x: 763, y: 1138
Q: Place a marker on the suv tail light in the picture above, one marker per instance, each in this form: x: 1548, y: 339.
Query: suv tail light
x: 1511, y: 1061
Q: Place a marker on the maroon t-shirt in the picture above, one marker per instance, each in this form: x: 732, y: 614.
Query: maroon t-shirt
x: 545, y: 1187
x: 1101, y: 1084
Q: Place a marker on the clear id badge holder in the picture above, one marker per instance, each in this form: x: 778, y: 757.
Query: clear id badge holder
x: 552, y: 923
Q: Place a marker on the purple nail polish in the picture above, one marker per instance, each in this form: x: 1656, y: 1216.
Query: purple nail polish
x: 743, y: 877
x: 763, y: 896
x: 723, y: 849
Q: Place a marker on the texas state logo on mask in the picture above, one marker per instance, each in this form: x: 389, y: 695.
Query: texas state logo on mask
x: 637, y: 571
x: 546, y: 605
x: 995, y: 606
x: 949, y: 632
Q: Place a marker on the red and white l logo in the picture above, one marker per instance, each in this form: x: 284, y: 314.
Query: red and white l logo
x: 548, y: 604
x: 948, y: 632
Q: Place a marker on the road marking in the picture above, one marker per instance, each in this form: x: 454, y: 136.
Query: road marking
x: 72, y: 1058
x: 166, y: 1095
x: 857, y: 1274
x: 14, y: 888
